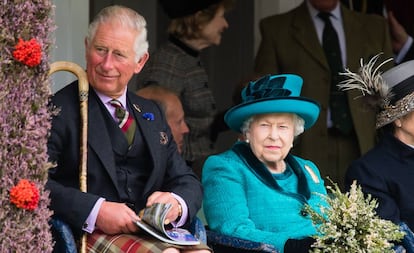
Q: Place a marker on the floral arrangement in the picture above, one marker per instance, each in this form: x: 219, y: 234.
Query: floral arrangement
x: 28, y: 52
x: 351, y: 224
x: 25, y: 195
x: 26, y: 27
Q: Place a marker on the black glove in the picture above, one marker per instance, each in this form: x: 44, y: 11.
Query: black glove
x: 298, y: 245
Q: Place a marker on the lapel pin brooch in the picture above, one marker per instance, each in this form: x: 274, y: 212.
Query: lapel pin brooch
x: 163, y: 138
x: 137, y: 108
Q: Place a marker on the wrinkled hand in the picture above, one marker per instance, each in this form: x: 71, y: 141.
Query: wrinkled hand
x: 398, y: 34
x: 116, y: 218
x: 166, y: 197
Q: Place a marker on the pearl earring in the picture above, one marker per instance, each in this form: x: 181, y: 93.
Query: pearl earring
x: 247, y: 141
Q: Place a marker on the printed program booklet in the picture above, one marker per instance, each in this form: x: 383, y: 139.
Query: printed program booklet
x: 153, y: 222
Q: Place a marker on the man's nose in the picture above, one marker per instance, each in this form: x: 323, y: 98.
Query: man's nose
x: 185, y: 128
x: 107, y: 62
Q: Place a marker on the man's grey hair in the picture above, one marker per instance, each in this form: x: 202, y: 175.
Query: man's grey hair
x: 127, y: 18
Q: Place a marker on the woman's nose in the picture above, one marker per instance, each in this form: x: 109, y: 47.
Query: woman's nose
x: 274, y: 133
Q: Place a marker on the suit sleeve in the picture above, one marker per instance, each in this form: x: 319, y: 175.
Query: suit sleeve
x: 410, y: 54
x: 67, y: 201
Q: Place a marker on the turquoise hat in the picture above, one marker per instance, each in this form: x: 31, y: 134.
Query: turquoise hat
x: 273, y: 94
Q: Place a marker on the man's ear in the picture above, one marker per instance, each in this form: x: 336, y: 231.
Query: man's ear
x: 141, y: 62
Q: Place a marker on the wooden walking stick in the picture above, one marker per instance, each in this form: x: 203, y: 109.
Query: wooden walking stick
x: 83, y: 100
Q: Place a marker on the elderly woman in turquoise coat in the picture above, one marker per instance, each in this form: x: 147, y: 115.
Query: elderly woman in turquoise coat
x: 257, y: 189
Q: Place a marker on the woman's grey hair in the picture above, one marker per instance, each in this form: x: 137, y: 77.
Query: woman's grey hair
x: 126, y: 17
x: 297, y: 121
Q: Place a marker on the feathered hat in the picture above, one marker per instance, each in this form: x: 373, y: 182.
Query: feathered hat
x: 273, y: 94
x: 391, y: 93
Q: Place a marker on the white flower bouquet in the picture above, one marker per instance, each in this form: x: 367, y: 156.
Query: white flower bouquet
x: 350, y: 224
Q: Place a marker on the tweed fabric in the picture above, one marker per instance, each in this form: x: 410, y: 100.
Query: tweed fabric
x: 178, y: 68
x: 246, y: 203
x: 279, y: 51
x: 169, y: 171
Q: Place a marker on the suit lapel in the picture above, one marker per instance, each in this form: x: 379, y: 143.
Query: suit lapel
x: 98, y: 138
x: 356, y: 49
x: 305, y: 34
x: 150, y: 134
x: 356, y: 45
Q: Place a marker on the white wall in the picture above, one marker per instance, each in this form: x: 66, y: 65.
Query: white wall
x: 71, y: 19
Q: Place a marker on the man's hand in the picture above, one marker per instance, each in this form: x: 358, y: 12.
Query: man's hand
x: 115, y: 218
x: 166, y: 197
x: 398, y: 34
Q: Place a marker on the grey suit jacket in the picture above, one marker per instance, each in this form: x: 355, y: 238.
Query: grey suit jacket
x: 168, y: 172
x: 290, y: 45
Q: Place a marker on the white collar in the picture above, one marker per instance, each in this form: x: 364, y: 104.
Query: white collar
x: 336, y: 12
x: 105, y: 99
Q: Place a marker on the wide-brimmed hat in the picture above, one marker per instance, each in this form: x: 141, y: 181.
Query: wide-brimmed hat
x: 273, y: 94
x: 391, y: 93
x: 400, y: 82
x: 182, y: 8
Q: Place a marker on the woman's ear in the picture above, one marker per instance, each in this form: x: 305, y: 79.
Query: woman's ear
x: 398, y: 123
x: 247, y: 136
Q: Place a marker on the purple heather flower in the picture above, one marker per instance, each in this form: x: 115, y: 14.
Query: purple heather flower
x: 25, y: 125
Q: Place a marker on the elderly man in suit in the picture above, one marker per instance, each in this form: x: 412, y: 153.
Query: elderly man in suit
x: 132, y: 160
x: 171, y: 105
x: 293, y: 43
